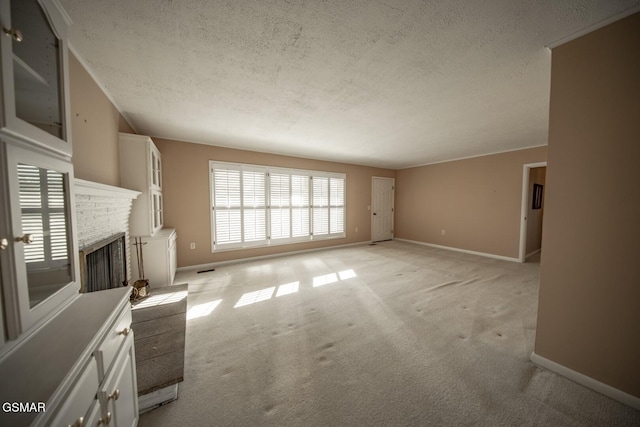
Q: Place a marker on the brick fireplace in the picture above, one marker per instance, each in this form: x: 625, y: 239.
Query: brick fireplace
x: 102, y: 217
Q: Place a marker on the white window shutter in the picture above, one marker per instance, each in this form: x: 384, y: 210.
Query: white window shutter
x: 280, y: 202
x: 336, y: 200
x: 320, y: 206
x: 300, y: 221
x: 227, y: 203
x: 254, y: 206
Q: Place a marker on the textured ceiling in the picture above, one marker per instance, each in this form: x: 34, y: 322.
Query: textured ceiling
x: 381, y: 83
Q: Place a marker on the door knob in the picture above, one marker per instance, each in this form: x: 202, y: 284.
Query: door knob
x: 26, y: 239
x: 374, y: 213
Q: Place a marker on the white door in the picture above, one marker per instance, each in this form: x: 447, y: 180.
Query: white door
x: 382, y: 209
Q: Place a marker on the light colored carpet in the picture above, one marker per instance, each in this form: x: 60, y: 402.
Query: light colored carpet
x: 393, y: 334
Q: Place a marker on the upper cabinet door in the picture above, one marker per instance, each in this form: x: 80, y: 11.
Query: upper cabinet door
x: 155, y: 167
x: 42, y: 237
x: 34, y: 73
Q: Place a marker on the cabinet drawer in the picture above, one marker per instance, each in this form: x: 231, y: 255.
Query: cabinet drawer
x: 82, y: 395
x: 113, y: 341
x: 118, y: 395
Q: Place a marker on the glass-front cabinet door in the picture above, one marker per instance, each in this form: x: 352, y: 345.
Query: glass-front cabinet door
x: 34, y: 73
x: 156, y: 168
x: 42, y: 236
x: 157, y: 218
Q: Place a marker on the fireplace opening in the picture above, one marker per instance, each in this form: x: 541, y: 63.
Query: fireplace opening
x: 103, y: 265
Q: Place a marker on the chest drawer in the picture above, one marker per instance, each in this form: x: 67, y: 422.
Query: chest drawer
x: 113, y: 341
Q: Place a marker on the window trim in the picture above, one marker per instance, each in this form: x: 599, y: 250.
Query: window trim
x: 268, y: 170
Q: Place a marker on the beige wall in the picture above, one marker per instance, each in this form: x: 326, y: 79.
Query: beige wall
x: 589, y: 305
x: 186, y: 198
x: 477, y: 202
x: 95, y: 123
x: 534, y: 216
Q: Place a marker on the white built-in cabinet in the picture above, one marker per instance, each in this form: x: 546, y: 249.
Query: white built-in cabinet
x: 80, y: 365
x: 141, y: 170
x: 35, y: 101
x: 159, y: 252
x: 71, y: 354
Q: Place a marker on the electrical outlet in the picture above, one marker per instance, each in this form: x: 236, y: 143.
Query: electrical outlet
x: 356, y: 229
x: 193, y: 245
x: 443, y: 232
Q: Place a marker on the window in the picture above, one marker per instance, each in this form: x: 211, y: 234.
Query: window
x: 261, y: 206
x: 239, y: 202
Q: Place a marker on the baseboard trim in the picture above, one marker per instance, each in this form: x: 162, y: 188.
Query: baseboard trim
x: 260, y: 257
x: 449, y: 248
x: 530, y: 254
x: 593, y: 384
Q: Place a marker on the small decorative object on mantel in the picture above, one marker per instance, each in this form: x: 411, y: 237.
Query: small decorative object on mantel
x: 141, y: 286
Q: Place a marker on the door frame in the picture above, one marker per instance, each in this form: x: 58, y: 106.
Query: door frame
x: 393, y: 201
x: 524, y: 210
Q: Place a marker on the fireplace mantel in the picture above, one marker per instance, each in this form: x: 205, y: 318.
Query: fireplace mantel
x: 90, y: 188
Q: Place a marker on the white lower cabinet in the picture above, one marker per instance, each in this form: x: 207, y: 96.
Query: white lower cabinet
x: 159, y: 258
x: 79, y: 400
x: 80, y: 365
x: 94, y: 417
x: 106, y: 392
x: 118, y: 395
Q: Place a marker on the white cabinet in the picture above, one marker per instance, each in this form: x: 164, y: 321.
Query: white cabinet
x: 35, y: 99
x: 118, y: 396
x: 41, y: 259
x: 58, y: 349
x: 159, y: 255
x: 106, y: 389
x: 80, y: 365
x: 141, y: 170
x: 81, y: 397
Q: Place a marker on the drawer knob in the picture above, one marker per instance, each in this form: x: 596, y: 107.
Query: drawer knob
x: 115, y: 395
x: 13, y: 33
x: 78, y: 423
x: 106, y: 420
x: 124, y: 332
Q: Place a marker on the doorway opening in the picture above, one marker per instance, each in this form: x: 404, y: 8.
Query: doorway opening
x: 532, y: 210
